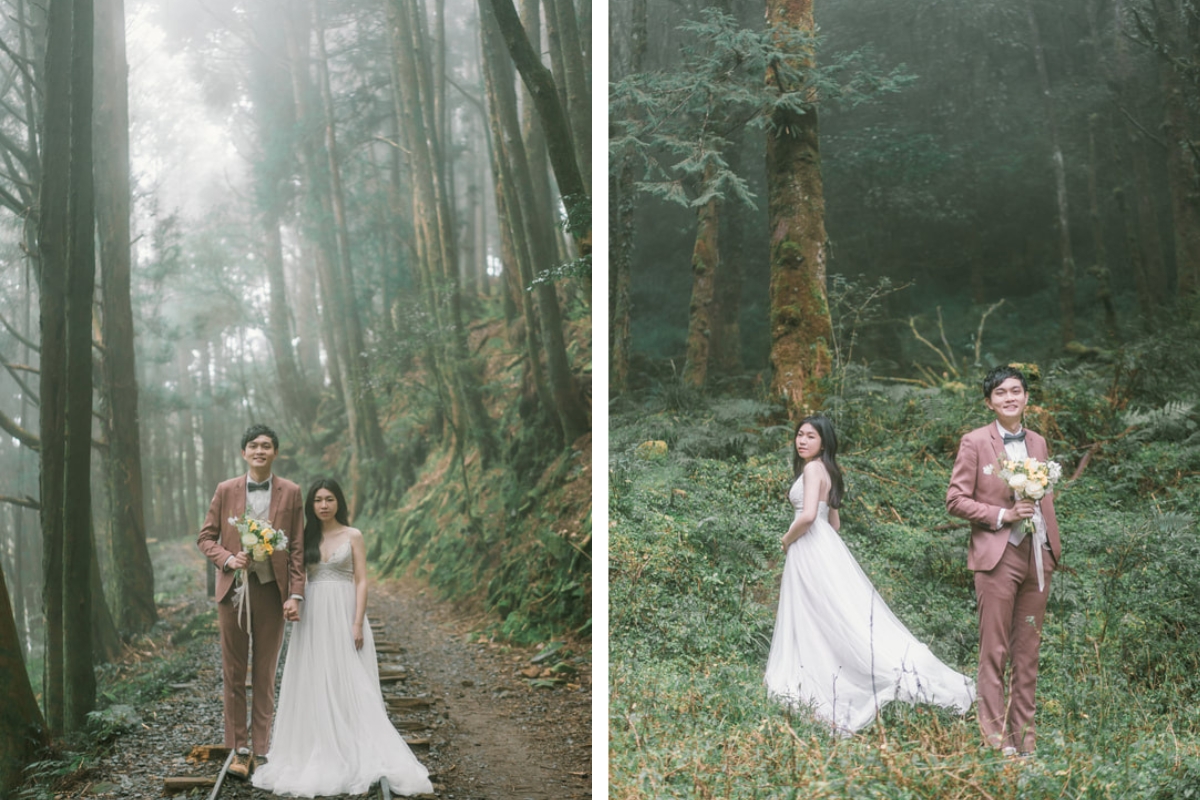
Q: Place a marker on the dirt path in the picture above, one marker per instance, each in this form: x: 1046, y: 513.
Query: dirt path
x: 479, y: 725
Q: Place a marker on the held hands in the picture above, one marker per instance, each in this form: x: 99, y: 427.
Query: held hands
x: 291, y: 610
x: 357, y: 631
x: 239, y: 561
x: 1022, y: 510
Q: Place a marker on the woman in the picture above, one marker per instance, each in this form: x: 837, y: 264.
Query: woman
x: 332, y: 734
x: 837, y: 648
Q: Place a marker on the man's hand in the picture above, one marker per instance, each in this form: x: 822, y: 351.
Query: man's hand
x: 239, y: 561
x: 291, y: 610
x: 1022, y: 510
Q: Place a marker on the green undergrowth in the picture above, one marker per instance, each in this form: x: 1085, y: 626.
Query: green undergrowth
x: 511, y: 538
x: 698, y: 505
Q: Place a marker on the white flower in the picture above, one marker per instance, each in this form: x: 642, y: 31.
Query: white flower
x: 1055, y: 469
x: 249, y: 539
x: 1034, y: 490
x: 1017, y: 482
x: 989, y: 469
x: 232, y: 521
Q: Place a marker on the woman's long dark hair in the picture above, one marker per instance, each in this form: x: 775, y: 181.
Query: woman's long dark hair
x: 824, y: 427
x: 312, y: 525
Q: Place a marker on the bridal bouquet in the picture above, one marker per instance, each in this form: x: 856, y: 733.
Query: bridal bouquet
x: 1030, y: 479
x: 259, y: 539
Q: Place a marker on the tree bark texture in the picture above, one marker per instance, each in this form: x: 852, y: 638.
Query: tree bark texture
x: 801, y: 330
x: 706, y: 257
x: 79, y: 677
x: 123, y: 460
x: 54, y: 255
x: 22, y: 728
x: 621, y: 228
x: 1183, y: 176
x: 537, y: 78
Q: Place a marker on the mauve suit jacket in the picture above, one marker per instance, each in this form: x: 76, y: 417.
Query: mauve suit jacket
x: 219, y: 539
x: 978, y: 497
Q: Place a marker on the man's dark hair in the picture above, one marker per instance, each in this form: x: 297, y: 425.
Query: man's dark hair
x: 999, y: 375
x: 255, y: 431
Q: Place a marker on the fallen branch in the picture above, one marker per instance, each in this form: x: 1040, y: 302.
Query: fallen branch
x: 27, y: 438
x: 24, y: 502
x: 912, y: 323
x: 1083, y: 462
x: 979, y: 333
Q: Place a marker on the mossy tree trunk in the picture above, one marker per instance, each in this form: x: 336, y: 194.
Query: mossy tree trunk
x: 706, y: 258
x: 801, y: 329
x: 621, y: 227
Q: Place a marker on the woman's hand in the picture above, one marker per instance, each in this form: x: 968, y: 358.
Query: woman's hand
x: 787, y: 542
x: 356, y: 630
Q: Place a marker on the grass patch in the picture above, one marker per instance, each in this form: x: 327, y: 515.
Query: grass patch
x: 694, y: 580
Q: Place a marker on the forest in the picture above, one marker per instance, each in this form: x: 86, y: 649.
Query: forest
x: 859, y: 208
x: 366, y: 224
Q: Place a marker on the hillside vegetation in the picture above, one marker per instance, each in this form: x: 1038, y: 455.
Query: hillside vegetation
x: 698, y: 505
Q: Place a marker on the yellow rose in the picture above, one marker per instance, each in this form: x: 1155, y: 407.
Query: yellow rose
x: 260, y: 553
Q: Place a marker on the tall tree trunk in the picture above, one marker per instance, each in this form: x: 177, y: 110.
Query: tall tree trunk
x: 515, y: 237
x: 54, y: 252
x: 1099, y: 251
x: 79, y: 678
x: 706, y: 257
x: 573, y: 79
x: 123, y: 460
x: 734, y: 247
x: 1066, y: 275
x: 801, y: 330
x: 568, y: 404
x: 621, y: 226
x: 368, y: 434
x: 22, y: 728
x: 439, y: 236
x: 559, y: 139
x: 1176, y: 29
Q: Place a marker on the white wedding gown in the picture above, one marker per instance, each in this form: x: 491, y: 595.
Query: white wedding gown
x: 837, y: 648
x: 332, y: 734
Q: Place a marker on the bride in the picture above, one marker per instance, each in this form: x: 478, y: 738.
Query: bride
x: 332, y: 734
x: 837, y: 648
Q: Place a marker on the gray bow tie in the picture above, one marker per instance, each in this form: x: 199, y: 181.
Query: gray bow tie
x: 1014, y: 437
x: 251, y: 486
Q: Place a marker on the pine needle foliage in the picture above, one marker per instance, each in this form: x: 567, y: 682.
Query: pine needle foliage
x: 677, y: 124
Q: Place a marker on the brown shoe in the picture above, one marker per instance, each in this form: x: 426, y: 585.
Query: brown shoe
x: 240, y: 766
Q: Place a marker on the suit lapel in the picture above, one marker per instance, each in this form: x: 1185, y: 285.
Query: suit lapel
x: 998, y: 451
x: 276, y: 501
x: 238, y: 503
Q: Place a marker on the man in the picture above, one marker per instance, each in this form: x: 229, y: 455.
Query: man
x: 1010, y: 595
x: 274, y: 593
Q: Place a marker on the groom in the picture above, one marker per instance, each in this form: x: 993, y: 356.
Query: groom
x: 1011, y: 602
x: 273, y: 593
